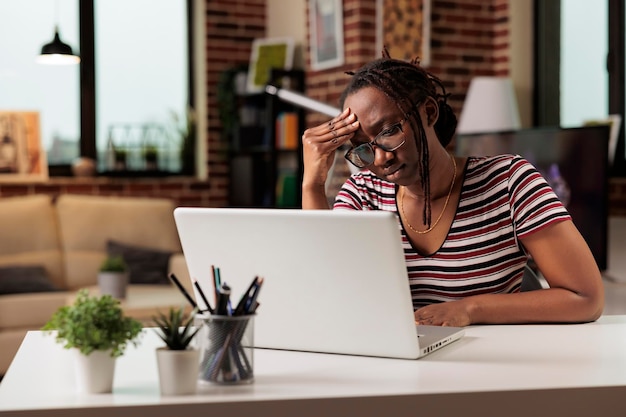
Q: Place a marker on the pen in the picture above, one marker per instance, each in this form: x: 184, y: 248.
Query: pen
x: 222, y: 300
x: 182, y: 290
x: 206, y: 302
x: 215, y: 282
x: 251, y: 304
x: 244, y: 298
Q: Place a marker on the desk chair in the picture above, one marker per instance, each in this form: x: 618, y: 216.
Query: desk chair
x: 530, y: 280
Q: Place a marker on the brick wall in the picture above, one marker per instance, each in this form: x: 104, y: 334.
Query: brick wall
x: 184, y: 191
x: 231, y: 26
x: 468, y: 38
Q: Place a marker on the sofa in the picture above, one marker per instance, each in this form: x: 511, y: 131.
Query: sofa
x: 50, y: 248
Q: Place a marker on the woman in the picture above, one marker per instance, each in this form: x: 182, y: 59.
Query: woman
x: 468, y: 225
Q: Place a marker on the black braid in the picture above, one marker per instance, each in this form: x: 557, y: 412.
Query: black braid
x: 408, y: 84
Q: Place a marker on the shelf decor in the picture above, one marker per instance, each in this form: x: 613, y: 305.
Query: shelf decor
x: 268, y: 53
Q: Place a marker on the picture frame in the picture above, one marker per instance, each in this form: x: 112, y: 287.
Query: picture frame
x: 22, y: 157
x: 268, y: 53
x: 326, y: 34
x: 410, y: 20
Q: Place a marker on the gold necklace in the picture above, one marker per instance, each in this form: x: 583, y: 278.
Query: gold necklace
x: 445, y: 205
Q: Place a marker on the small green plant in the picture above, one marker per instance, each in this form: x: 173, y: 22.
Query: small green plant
x: 94, y: 323
x: 150, y: 152
x: 113, y: 264
x: 175, y: 329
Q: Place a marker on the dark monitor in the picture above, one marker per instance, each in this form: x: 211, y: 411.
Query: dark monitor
x: 575, y: 163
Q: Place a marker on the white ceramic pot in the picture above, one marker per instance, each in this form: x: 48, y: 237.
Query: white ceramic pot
x: 113, y: 283
x: 178, y: 370
x: 94, y: 372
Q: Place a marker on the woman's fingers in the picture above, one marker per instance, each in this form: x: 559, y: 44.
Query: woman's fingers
x: 336, y: 131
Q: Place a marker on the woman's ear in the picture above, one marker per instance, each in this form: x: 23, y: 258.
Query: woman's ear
x: 431, y: 109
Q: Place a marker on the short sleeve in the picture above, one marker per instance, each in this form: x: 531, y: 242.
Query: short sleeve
x: 534, y: 205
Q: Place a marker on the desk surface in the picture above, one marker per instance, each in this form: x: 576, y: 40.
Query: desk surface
x: 528, y: 370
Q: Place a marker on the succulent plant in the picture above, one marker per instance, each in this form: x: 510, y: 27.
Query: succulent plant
x: 113, y: 264
x: 175, y: 328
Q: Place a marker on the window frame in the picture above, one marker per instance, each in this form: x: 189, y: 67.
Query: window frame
x: 87, y: 144
x: 547, y: 70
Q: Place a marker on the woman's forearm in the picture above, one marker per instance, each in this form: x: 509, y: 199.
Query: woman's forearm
x: 540, y: 306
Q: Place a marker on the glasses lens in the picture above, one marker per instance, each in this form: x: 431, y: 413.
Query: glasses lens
x: 390, y: 139
x: 361, y: 156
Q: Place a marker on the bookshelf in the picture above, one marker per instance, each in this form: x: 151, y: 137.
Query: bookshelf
x: 265, y: 154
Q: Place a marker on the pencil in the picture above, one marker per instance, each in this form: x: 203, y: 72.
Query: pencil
x: 183, y: 291
x: 206, y: 302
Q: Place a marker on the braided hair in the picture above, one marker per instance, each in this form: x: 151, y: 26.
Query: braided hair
x: 407, y: 84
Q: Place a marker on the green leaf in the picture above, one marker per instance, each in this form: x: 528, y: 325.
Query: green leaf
x: 94, y: 323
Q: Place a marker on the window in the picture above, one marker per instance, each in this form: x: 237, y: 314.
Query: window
x: 581, y: 60
x: 141, y: 61
x: 134, y: 89
x: 584, y: 76
x: 53, y: 91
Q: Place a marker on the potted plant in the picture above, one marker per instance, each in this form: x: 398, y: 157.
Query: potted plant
x: 178, y: 360
x: 113, y: 277
x: 120, y: 159
x: 96, y: 330
x: 151, y: 157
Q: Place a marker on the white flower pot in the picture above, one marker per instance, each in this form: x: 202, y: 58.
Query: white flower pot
x: 94, y: 372
x: 113, y: 283
x: 178, y: 370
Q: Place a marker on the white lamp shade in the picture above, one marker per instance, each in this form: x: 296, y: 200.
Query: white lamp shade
x: 490, y: 106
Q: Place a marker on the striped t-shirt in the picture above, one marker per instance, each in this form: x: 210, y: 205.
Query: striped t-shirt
x: 502, y: 198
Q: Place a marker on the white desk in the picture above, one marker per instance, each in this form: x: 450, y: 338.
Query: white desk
x: 555, y: 370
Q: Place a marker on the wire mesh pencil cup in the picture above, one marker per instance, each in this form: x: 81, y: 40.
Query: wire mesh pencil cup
x: 226, y: 349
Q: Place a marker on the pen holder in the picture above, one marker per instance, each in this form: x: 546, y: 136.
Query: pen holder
x: 226, y: 346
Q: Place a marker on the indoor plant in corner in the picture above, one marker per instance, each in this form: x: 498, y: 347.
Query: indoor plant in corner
x: 113, y: 277
x: 177, y: 361
x: 96, y: 330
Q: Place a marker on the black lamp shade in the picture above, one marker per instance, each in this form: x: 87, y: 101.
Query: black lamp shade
x: 57, y: 52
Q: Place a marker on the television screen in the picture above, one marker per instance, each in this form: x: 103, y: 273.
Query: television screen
x: 573, y: 160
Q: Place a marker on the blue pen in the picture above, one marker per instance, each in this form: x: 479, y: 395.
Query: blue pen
x: 241, y: 306
x: 250, y: 305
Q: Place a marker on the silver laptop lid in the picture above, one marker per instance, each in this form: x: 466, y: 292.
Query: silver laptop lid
x: 334, y: 281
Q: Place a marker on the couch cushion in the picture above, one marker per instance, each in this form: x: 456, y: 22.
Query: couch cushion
x: 30, y: 311
x: 87, y: 223
x: 30, y: 235
x: 146, y: 266
x: 23, y: 279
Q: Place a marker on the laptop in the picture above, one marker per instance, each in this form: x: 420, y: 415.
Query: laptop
x: 335, y: 281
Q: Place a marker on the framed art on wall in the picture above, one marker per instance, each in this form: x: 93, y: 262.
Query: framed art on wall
x: 268, y: 53
x: 21, y: 155
x: 403, y: 26
x: 326, y: 33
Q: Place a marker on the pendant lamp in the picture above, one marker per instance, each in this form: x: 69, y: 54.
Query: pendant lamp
x: 57, y: 52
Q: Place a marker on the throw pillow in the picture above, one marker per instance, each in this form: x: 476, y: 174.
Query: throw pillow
x: 18, y: 279
x: 146, y: 266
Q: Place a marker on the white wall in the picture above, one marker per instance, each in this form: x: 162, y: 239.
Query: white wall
x: 288, y: 18
x: 521, y: 18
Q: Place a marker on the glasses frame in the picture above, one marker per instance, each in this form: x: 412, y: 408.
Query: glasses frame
x: 370, y: 145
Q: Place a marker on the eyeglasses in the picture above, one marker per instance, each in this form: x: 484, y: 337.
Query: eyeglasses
x: 390, y: 139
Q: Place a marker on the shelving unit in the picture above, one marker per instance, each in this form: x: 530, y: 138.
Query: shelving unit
x: 266, y: 153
